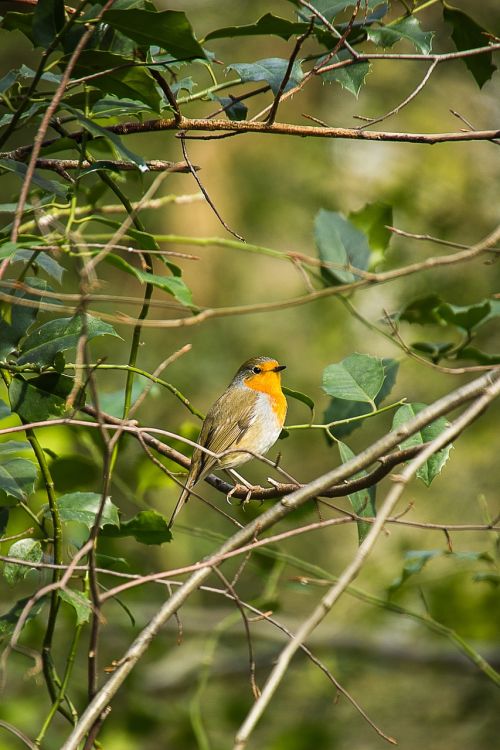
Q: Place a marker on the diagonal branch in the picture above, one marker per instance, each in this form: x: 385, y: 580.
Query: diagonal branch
x: 483, y: 385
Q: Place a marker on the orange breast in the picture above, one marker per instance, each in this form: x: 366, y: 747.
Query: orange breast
x: 270, y: 383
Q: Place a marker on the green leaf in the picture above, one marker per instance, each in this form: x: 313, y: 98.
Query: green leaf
x: 40, y: 260
x: 422, y: 311
x: 17, y: 475
x: 18, y: 21
x: 476, y: 355
x: 8, y: 621
x: 362, y: 501
x: 48, y: 186
x: 171, y: 284
x: 83, y: 508
x: 331, y: 8
x: 298, y: 396
x: 40, y: 398
x: 20, y: 320
x: 42, y: 345
x: 271, y: 70
x: 435, y: 350
x: 465, y: 317
x: 339, y: 243
x: 415, y: 562
x: 48, y: 20
x: 373, y: 220
x: 408, y: 29
x: 147, y: 527
x: 340, y: 409
x: 99, y: 132
x: 29, y: 550
x: 79, y: 602
x: 467, y: 34
x: 435, y: 463
x: 234, y: 109
x: 358, y: 377
x: 267, y: 25
x: 351, y: 77
x: 169, y: 29
x: 4, y: 520
x: 124, y: 80
x: 4, y: 410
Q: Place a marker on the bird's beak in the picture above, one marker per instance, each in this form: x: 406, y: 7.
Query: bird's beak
x: 279, y: 368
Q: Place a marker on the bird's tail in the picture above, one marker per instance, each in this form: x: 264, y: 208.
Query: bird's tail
x: 182, y: 499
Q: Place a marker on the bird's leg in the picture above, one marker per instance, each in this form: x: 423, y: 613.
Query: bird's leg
x: 240, y: 481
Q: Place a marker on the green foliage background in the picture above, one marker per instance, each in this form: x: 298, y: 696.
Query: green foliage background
x: 413, y: 683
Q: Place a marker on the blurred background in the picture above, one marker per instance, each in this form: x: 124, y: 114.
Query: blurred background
x: 414, y: 683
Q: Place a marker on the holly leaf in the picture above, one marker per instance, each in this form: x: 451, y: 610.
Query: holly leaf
x: 468, y: 34
x: 351, y: 77
x: 169, y: 29
x: 272, y: 71
x: 408, y: 29
x: 44, y: 343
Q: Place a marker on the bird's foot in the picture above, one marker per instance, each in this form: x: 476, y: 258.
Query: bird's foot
x: 237, y: 489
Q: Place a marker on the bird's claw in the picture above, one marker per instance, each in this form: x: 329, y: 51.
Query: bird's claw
x: 239, y: 488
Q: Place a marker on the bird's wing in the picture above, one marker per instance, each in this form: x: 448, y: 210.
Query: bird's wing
x: 225, y: 424
x: 220, y: 432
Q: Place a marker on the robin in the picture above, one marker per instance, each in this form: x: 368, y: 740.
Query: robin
x: 248, y: 416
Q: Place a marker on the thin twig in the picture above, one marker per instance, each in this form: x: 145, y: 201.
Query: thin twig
x: 203, y: 190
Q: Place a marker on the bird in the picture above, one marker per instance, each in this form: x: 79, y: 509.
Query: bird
x: 249, y: 416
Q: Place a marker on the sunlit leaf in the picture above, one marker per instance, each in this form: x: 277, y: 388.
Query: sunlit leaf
x: 358, y: 377
x: 340, y: 409
x: 83, y: 508
x: 435, y: 463
x: 80, y: 603
x: 29, y: 550
x: 408, y: 29
x: 271, y: 70
x: 171, y: 284
x: 42, y: 345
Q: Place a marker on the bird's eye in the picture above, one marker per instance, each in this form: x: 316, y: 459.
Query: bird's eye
x: 256, y: 370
